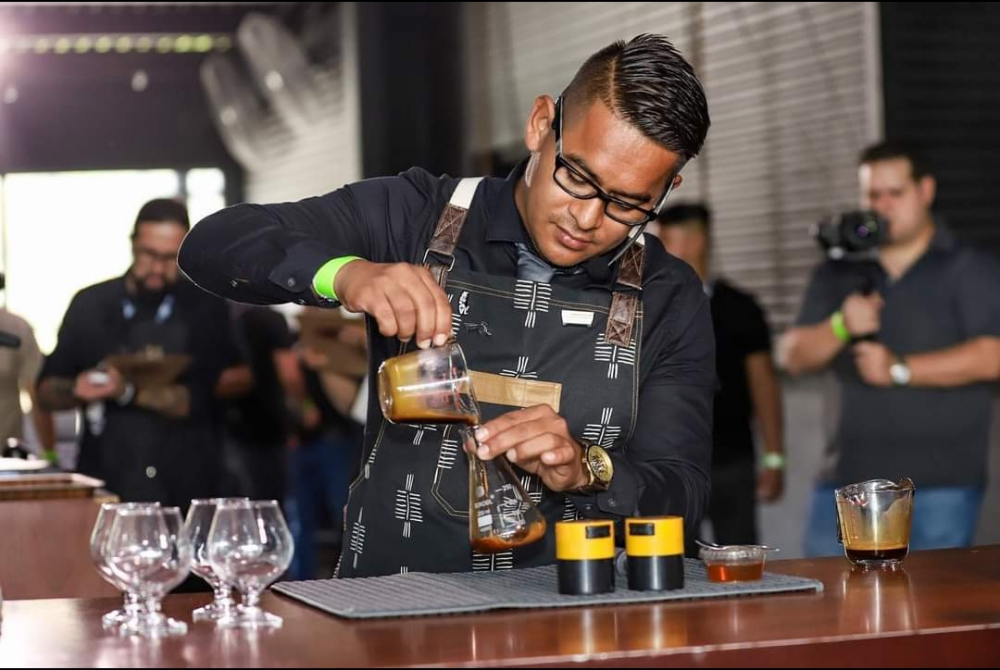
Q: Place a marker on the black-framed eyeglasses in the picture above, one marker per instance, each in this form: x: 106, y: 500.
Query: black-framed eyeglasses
x: 151, y: 256
x: 582, y: 187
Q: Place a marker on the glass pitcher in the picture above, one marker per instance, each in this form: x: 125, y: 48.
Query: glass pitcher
x: 873, y: 521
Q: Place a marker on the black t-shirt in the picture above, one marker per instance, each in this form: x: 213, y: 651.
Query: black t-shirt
x: 740, y: 330
x: 260, y: 418
x: 333, y: 424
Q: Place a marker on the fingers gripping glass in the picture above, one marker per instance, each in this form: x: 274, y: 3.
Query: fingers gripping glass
x: 582, y: 187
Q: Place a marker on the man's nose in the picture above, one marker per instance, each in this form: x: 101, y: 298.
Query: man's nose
x: 588, y: 213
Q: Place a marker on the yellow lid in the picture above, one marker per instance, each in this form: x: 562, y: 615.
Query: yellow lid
x: 654, y: 536
x: 590, y: 539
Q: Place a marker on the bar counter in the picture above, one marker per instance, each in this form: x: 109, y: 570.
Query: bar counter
x: 942, y: 609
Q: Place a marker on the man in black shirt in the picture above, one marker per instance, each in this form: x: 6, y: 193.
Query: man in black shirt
x: 748, y: 387
x: 153, y: 443
x: 594, y: 349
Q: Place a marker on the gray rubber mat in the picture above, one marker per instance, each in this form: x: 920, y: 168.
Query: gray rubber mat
x: 422, y: 594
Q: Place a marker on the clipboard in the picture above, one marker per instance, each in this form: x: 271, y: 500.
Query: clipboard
x: 147, y: 371
x: 320, y: 330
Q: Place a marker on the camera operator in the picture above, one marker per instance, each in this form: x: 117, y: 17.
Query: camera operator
x: 913, y: 358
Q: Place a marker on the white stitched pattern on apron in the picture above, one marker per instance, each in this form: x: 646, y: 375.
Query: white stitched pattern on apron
x: 604, y: 433
x: 503, y: 560
x: 358, y: 537
x: 614, y: 355
x: 521, y: 372
x: 532, y: 297
x: 570, y: 513
x: 448, y: 453
x: 456, y: 314
x: 421, y: 429
x: 409, y: 508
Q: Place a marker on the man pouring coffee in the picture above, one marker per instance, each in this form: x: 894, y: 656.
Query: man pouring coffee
x: 592, y: 348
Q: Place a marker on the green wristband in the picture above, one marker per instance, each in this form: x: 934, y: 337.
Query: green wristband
x: 773, y: 461
x: 840, y: 327
x: 325, y: 276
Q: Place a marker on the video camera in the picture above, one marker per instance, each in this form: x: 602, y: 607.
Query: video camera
x: 851, y: 233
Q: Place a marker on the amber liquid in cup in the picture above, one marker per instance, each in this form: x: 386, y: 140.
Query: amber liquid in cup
x: 493, y: 544
x: 873, y: 521
x: 720, y: 572
x: 427, y: 386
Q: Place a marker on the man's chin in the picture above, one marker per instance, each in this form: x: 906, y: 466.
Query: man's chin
x: 152, y: 289
x: 559, y: 256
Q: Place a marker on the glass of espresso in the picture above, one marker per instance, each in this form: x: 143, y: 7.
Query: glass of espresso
x: 873, y: 521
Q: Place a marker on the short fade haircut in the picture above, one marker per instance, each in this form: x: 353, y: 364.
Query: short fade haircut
x: 684, y: 213
x: 894, y: 149
x: 162, y: 210
x: 647, y: 83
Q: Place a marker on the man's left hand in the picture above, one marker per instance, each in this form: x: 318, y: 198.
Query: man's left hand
x: 873, y: 361
x: 538, y: 441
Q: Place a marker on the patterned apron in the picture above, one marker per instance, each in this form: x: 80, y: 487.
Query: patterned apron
x: 528, y: 343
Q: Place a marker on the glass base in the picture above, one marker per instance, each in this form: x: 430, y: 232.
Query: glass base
x: 144, y: 626
x: 114, y: 619
x: 888, y: 564
x: 250, y: 617
x: 214, y: 611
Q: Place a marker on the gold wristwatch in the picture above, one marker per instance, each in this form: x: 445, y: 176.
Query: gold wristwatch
x: 598, y: 466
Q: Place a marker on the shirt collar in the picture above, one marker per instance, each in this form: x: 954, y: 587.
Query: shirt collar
x: 504, y: 220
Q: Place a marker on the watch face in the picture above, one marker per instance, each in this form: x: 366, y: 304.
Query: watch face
x: 900, y: 374
x: 600, y: 463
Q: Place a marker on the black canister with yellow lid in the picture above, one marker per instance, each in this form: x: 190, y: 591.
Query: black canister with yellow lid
x: 585, y: 553
x: 655, y: 549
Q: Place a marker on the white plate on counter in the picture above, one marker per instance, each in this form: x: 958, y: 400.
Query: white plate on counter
x: 21, y: 465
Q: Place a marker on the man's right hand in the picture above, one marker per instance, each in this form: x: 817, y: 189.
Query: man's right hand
x: 93, y: 385
x: 403, y: 299
x: 862, y: 314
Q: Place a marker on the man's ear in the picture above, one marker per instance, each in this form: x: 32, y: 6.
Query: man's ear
x: 539, y: 124
x: 928, y: 188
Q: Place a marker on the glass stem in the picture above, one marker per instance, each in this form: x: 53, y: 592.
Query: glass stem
x: 251, y: 599
x: 153, y: 610
x: 222, y: 599
x: 133, y: 604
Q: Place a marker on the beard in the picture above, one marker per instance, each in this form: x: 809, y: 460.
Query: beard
x: 144, y: 292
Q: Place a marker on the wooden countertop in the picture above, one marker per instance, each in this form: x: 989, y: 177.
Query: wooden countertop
x: 943, y: 609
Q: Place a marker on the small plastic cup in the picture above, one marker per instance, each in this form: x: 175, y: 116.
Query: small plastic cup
x: 734, y: 563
